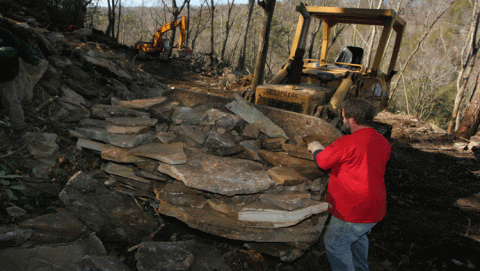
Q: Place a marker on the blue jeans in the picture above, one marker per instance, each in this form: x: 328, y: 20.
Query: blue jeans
x: 346, y: 244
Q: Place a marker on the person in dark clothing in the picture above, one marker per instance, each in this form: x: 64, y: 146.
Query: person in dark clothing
x: 11, y: 49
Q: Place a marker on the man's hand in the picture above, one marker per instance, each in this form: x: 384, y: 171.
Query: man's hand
x: 315, y: 146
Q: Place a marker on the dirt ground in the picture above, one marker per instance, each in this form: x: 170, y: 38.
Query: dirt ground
x: 433, y: 217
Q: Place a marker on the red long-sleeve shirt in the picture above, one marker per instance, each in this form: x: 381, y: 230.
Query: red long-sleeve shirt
x: 356, y: 189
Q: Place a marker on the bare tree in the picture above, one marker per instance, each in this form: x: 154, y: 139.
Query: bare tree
x: 468, y: 59
x: 199, y: 26
x: 112, y: 5
x: 268, y: 7
x: 471, y: 119
x: 119, y: 18
x: 419, y: 43
x: 81, y: 12
x: 212, y: 31
x: 241, y: 58
x: 372, y: 36
x: 228, y: 26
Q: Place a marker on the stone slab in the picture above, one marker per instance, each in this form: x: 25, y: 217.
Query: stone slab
x: 297, y: 151
x: 115, y: 129
x: 167, y: 153
x: 123, y: 171
x: 219, y: 224
x: 251, y: 114
x: 306, y: 168
x: 119, y: 155
x: 285, y: 176
x: 221, y: 175
x: 132, y: 121
x: 142, y: 104
x: 90, y: 144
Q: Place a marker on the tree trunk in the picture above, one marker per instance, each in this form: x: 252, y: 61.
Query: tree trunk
x: 111, y: 18
x: 228, y: 25
x: 268, y: 7
x: 469, y: 125
x: 80, y: 12
x: 241, y: 58
x: 466, y: 70
x: 119, y: 19
x: 212, y: 39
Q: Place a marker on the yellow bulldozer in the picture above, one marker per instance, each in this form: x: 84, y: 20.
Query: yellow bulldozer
x: 159, y: 47
x: 318, y: 87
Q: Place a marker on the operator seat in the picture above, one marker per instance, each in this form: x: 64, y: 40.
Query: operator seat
x: 350, y: 54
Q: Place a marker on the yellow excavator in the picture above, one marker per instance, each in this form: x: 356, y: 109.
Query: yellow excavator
x: 160, y: 47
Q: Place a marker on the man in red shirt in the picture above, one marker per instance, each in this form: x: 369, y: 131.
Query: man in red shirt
x: 356, y: 189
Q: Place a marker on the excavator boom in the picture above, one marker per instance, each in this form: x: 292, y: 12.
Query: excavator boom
x: 158, y: 44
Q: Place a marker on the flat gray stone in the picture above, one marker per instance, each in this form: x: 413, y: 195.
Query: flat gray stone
x: 213, y: 222
x: 132, y: 121
x: 251, y: 114
x: 89, y: 144
x: 192, y: 135
x: 177, y: 256
x: 12, y: 237
x: 285, y: 176
x: 115, y: 129
x: 107, y: 64
x: 113, y: 216
x: 55, y: 228
x: 117, y: 154
x: 287, y: 201
x: 57, y: 257
x: 103, y: 263
x: 188, y: 115
x: 167, y: 153
x: 251, y: 149
x: 166, y: 137
x: 124, y: 171
x: 94, y: 122
x: 102, y: 111
x: 177, y: 193
x: 119, y: 140
x: 297, y: 151
x: 252, y: 130
x: 306, y: 168
x: 142, y: 104
x: 44, y: 144
x: 281, y: 218
x: 221, y: 175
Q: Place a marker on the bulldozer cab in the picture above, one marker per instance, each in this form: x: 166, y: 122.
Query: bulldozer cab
x: 319, y: 86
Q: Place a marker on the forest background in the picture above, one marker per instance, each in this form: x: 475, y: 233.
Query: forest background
x: 437, y: 76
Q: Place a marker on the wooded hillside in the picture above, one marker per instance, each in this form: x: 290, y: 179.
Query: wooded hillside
x: 437, y: 69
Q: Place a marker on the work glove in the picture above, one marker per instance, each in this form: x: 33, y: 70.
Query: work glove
x: 315, y: 146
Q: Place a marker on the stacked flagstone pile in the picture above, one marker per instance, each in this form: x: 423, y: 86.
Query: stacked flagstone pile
x: 231, y: 173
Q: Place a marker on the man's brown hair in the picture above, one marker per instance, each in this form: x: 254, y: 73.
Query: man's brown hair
x: 360, y: 110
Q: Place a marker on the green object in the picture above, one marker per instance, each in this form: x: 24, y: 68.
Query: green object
x: 8, y: 52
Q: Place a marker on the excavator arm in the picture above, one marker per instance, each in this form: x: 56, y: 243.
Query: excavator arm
x: 157, y: 45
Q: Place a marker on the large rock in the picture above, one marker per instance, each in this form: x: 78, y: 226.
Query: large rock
x: 221, y: 175
x: 113, y: 216
x: 57, y: 257
x: 216, y: 223
x: 55, y: 228
x: 186, y: 255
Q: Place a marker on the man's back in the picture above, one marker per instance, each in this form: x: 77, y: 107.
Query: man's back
x: 356, y: 189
